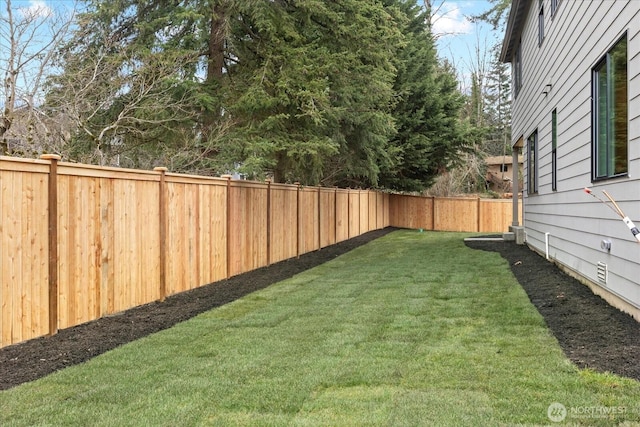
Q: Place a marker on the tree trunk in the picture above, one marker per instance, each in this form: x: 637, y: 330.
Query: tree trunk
x: 215, y: 63
x: 216, y: 44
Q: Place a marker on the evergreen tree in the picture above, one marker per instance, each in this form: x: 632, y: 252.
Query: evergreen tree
x: 314, y: 88
x: 496, y: 15
x: 498, y: 107
x: 302, y: 90
x: 343, y: 93
x: 430, y: 134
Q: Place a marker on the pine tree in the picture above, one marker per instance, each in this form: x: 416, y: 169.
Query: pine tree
x: 340, y: 93
x: 430, y: 134
x: 314, y: 89
x: 498, y: 102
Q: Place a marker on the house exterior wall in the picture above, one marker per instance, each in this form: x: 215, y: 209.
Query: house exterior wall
x: 569, y: 221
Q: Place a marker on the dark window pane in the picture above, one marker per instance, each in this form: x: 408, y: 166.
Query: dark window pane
x: 619, y: 108
x: 610, y: 115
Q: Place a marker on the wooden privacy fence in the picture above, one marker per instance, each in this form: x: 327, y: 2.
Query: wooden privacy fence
x: 78, y: 242
x: 452, y: 214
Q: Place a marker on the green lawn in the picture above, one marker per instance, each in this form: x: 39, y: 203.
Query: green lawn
x: 412, y: 329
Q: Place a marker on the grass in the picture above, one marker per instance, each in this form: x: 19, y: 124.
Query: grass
x: 412, y: 329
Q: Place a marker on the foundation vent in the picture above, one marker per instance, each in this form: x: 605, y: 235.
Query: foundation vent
x: 603, y: 273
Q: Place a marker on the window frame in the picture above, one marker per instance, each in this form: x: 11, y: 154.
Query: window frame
x: 540, y: 23
x: 554, y: 150
x: 554, y: 7
x: 606, y: 159
x: 532, y: 163
x: 517, y: 70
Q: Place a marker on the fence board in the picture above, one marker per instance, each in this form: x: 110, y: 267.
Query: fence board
x: 354, y: 213
x: 411, y: 211
x: 78, y: 285
x: 284, y: 222
x: 372, y: 215
x: 455, y: 214
x: 495, y: 215
x: 382, y: 202
x: 342, y: 215
x: 182, y: 217
x: 248, y: 227
x: 136, y: 243
x: 23, y: 254
x: 363, y: 209
x: 213, y: 232
x: 327, y: 217
x: 106, y: 246
x: 309, y: 237
x: 196, y: 235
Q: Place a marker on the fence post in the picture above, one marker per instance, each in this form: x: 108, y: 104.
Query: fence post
x: 478, y: 218
x: 349, y: 214
x: 433, y: 213
x: 163, y: 231
x: 53, y: 241
x: 375, y: 210
x: 319, y: 220
x: 268, y: 221
x: 379, y: 203
x: 335, y: 215
x: 298, y: 219
x: 228, y: 178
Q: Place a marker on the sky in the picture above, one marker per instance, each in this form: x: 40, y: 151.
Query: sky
x: 458, y: 38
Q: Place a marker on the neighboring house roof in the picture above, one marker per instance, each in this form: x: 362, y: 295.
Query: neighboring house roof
x: 515, y: 23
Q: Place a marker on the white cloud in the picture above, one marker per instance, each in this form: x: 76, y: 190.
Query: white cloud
x: 36, y: 9
x: 448, y: 19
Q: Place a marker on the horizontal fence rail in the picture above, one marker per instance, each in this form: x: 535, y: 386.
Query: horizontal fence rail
x: 79, y: 242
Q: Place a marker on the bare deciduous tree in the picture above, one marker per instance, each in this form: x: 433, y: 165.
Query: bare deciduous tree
x: 29, y: 37
x: 116, y: 102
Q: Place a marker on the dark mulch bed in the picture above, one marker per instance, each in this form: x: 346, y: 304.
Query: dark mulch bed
x: 591, y: 333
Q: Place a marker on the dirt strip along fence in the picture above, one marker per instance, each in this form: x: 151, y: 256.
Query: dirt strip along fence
x: 78, y: 242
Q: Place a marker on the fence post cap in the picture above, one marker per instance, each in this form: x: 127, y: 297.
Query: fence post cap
x: 227, y: 176
x: 50, y: 157
x: 160, y: 169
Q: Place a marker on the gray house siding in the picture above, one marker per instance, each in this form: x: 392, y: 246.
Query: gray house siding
x: 567, y: 224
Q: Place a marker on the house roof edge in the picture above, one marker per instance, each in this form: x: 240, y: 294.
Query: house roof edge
x: 515, y: 22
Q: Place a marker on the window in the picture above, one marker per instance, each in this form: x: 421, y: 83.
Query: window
x: 504, y: 167
x: 554, y: 7
x: 540, y: 23
x: 610, y: 113
x: 532, y: 163
x: 517, y: 71
x: 554, y: 154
